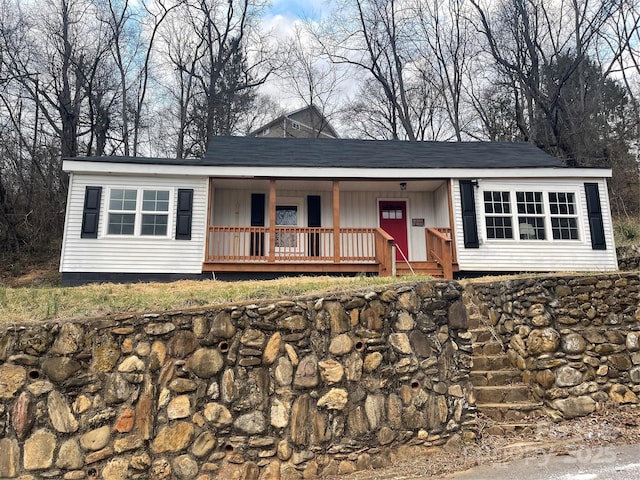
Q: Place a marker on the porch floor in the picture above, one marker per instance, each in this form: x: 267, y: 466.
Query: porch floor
x: 419, y: 268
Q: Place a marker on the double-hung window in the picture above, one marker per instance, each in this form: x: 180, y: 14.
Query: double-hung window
x: 155, y: 212
x: 564, y: 219
x: 138, y: 212
x: 530, y: 215
x: 122, y: 211
x: 497, y: 209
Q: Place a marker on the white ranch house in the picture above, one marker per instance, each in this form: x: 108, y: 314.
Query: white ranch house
x: 266, y: 207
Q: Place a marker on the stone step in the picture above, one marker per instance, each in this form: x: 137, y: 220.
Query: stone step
x: 474, y: 318
x: 510, y: 429
x: 491, y: 362
x: 487, y: 348
x: 487, y: 378
x: 503, y: 394
x: 481, y: 334
x: 511, y: 412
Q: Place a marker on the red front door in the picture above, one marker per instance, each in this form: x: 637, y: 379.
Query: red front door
x: 393, y: 220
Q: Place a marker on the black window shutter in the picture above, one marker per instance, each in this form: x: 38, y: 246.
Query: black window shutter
x: 184, y: 213
x: 314, y: 220
x: 257, y: 209
x: 469, y: 222
x: 91, y: 212
x: 594, y: 211
x: 257, y: 220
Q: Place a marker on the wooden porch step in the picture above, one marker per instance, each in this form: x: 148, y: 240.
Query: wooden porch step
x: 419, y: 268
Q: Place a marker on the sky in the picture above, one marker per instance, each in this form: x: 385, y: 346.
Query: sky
x: 281, y: 19
x: 297, y: 9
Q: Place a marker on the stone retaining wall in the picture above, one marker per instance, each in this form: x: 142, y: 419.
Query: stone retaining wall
x: 576, y: 339
x: 628, y: 264
x: 280, y: 390
x: 628, y: 258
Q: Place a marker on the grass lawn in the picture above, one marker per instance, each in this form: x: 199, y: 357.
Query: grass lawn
x: 40, y: 303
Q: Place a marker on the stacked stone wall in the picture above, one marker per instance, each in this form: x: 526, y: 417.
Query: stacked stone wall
x: 276, y: 390
x: 576, y: 339
x: 628, y: 258
x: 628, y: 264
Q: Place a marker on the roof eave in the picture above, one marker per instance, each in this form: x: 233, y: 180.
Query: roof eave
x: 182, y: 169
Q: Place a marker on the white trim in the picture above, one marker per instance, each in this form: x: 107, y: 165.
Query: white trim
x: 329, y: 172
x: 546, y: 215
x: 137, y: 227
x: 65, y: 231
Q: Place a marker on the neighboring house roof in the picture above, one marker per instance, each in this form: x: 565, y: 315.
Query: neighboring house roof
x: 344, y: 153
x: 299, y: 116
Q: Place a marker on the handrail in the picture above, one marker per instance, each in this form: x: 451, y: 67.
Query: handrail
x: 439, y: 248
x: 384, y: 254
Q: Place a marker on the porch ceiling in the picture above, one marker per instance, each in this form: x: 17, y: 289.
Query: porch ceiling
x: 327, y: 185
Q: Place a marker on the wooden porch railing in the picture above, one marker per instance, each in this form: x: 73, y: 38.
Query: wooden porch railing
x: 298, y: 244
x: 440, y: 249
x: 385, y: 256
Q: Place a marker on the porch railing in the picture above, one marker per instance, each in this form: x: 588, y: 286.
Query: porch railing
x: 440, y: 249
x: 297, y: 244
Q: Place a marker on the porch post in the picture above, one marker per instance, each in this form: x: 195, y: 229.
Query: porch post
x: 208, y: 244
x: 454, y: 256
x: 272, y: 220
x: 336, y: 221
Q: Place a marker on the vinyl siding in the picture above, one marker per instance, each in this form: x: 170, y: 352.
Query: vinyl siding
x: 536, y: 255
x: 133, y: 254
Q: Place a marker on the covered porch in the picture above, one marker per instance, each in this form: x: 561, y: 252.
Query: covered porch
x: 380, y: 227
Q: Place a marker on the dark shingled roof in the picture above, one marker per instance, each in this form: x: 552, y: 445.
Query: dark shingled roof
x: 312, y: 152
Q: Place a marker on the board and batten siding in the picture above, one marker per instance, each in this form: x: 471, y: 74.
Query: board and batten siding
x: 232, y: 207
x: 441, y: 206
x: 133, y: 254
x: 358, y: 209
x: 514, y: 255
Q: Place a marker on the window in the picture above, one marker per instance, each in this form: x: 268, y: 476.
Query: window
x: 122, y: 211
x: 295, y: 125
x: 530, y: 215
x: 535, y: 214
x: 155, y: 212
x: 564, y: 221
x: 497, y: 209
x: 392, y: 212
x: 286, y: 215
x: 129, y: 216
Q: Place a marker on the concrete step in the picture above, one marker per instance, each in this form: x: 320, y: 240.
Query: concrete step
x: 503, y: 394
x: 491, y: 362
x: 487, y: 378
x: 511, y: 412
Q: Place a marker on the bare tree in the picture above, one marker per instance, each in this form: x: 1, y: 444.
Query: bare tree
x: 373, y: 35
x: 312, y: 79
x: 526, y: 39
x: 444, y: 41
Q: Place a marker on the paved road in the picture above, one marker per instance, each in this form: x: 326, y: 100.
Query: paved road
x: 598, y: 463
